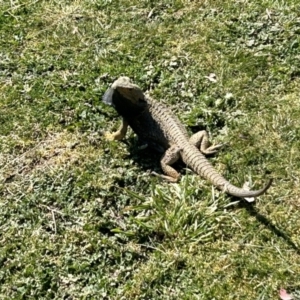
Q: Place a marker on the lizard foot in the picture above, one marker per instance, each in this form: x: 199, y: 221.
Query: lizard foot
x: 116, y: 136
x: 212, y: 149
x: 165, y: 177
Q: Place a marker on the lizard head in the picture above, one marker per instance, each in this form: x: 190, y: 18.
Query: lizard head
x: 127, y: 98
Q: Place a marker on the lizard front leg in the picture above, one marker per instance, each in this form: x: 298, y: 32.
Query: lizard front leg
x: 119, y: 134
x: 201, y: 141
x: 169, y: 158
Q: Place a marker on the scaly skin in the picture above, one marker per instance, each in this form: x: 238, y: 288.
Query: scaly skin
x: 156, y: 126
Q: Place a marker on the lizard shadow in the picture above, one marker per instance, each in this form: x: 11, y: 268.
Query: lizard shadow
x: 253, y: 211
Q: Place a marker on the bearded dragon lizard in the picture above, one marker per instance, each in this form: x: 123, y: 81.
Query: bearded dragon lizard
x: 159, y: 128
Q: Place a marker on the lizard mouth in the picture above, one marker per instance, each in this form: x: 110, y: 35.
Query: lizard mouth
x: 108, y: 97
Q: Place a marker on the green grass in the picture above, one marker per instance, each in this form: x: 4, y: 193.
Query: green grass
x: 81, y: 218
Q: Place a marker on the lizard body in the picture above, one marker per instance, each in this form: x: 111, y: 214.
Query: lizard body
x: 157, y: 126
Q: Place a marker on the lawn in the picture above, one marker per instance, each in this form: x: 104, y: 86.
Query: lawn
x: 81, y: 217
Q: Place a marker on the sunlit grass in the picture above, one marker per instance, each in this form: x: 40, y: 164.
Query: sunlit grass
x: 81, y: 217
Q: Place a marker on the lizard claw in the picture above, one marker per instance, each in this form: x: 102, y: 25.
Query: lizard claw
x: 212, y: 149
x: 116, y: 136
x: 165, y: 177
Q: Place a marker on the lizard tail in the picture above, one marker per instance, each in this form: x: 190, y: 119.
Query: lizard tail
x: 238, y: 192
x: 194, y: 159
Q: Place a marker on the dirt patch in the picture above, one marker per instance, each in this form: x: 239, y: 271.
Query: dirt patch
x: 58, y: 149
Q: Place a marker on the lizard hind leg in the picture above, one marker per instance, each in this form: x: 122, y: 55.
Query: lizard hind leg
x: 169, y: 158
x: 201, y: 141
